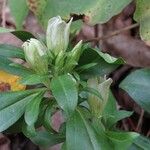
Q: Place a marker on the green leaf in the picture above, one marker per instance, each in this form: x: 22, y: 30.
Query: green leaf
x: 80, y: 135
x: 8, y: 98
x: 64, y: 146
x: 103, y: 66
x: 110, y: 59
x: 111, y: 114
x: 19, y: 11
x: 121, y: 140
x: 46, y: 139
x: 32, y: 109
x: 10, y: 114
x: 47, y: 118
x: 137, y: 85
x: 11, y: 51
x: 29, y: 130
x: 65, y: 91
x: 8, y: 66
x: 142, y: 16
x: 141, y: 143
x: 22, y: 35
x: 96, y: 11
x: 93, y: 91
x: 33, y: 79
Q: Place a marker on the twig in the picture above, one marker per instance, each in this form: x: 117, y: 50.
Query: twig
x: 96, y: 34
x: 138, y: 127
x: 113, y: 33
x: 148, y: 134
x: 3, y: 14
x: 125, y: 125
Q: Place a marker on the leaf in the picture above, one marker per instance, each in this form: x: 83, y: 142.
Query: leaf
x: 22, y: 35
x: 65, y: 92
x: 137, y: 85
x: 29, y: 130
x: 93, y: 91
x: 46, y: 139
x: 32, y: 109
x: 64, y: 146
x: 8, y: 66
x: 8, y: 98
x: 96, y: 11
x: 80, y: 135
x: 121, y: 114
x: 141, y: 143
x: 102, y: 65
x: 10, y: 114
x: 142, y: 16
x: 111, y: 114
x: 47, y: 118
x: 11, y: 51
x: 19, y: 11
x: 110, y: 59
x: 121, y: 140
x: 33, y: 79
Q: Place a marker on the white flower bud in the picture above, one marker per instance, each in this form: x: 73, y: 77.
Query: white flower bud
x: 34, y: 52
x: 57, y: 35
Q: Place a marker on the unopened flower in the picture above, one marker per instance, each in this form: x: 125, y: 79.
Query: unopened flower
x: 57, y: 35
x: 35, y: 53
x: 73, y: 57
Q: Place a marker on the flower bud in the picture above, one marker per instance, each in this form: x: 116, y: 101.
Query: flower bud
x: 98, y: 103
x: 73, y: 57
x: 34, y: 54
x: 76, y: 52
x: 57, y: 35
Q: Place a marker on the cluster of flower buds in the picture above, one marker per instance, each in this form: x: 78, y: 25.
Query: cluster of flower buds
x: 57, y: 40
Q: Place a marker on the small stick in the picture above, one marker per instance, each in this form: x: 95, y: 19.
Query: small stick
x: 148, y: 133
x: 3, y: 14
x: 124, y: 125
x: 113, y: 33
x: 139, y: 124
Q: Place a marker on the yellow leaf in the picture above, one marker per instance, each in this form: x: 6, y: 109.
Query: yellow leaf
x: 11, y: 80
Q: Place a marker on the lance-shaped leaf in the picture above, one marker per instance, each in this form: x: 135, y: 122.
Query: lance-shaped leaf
x: 11, y: 51
x: 10, y: 114
x: 64, y: 89
x: 32, y: 109
x: 81, y: 136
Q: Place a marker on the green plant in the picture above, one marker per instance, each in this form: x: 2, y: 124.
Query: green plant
x: 65, y: 79
x: 71, y: 79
